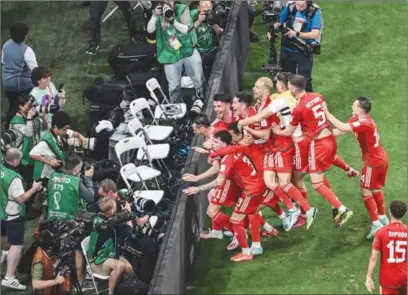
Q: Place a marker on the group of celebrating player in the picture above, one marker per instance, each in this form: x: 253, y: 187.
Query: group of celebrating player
x: 261, y: 154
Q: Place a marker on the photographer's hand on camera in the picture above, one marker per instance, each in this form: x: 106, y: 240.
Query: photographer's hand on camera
x: 53, y: 162
x: 61, y: 94
x: 141, y: 221
x: 89, y: 172
x: 59, y: 280
x: 201, y: 18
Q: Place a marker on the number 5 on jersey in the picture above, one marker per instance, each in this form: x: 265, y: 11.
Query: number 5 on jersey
x: 318, y: 114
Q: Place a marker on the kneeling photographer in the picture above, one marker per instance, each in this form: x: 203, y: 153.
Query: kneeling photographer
x: 302, y: 35
x: 208, y: 25
x: 27, y: 125
x: 43, y: 275
x: 66, y: 196
x: 103, y: 249
x: 176, y: 40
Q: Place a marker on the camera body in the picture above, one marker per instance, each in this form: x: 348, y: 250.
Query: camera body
x: 307, y: 48
x: 271, y: 11
x: 7, y: 138
x: 217, y: 15
x: 167, y: 10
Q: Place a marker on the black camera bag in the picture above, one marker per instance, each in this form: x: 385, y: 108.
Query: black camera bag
x: 132, y: 287
x: 106, y: 93
x: 135, y: 57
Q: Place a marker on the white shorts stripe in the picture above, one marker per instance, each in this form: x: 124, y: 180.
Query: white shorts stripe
x: 298, y: 163
x: 312, y: 156
x: 225, y: 191
x: 367, y: 177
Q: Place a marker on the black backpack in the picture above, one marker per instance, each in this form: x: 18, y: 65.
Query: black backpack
x: 132, y: 287
x: 133, y: 58
x: 107, y: 93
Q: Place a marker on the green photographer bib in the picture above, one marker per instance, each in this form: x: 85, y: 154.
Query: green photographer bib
x: 28, y: 142
x: 173, y: 45
x: 64, y: 202
x: 50, y: 140
x: 7, y: 176
x: 206, y: 37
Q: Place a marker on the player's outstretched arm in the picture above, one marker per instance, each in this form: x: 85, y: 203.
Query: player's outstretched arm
x: 265, y: 113
x: 343, y: 127
x: 337, y: 132
x: 262, y: 134
x: 288, y: 131
x: 212, y: 171
x: 371, y: 266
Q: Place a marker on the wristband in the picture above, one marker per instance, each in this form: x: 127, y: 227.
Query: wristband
x: 31, y: 119
x: 298, y: 34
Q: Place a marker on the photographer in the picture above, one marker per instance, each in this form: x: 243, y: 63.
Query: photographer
x: 47, y: 97
x: 207, y: 31
x: 28, y: 126
x: 17, y: 60
x: 102, y: 251
x: 12, y: 211
x: 48, y: 154
x: 42, y: 272
x: 176, y: 40
x: 66, y: 194
x: 303, y: 20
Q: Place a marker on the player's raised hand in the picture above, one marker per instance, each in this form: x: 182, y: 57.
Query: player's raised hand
x: 200, y: 150
x: 324, y: 108
x: 275, y: 128
x: 369, y: 284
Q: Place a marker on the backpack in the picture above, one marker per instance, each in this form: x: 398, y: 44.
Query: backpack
x: 132, y: 287
x: 106, y: 93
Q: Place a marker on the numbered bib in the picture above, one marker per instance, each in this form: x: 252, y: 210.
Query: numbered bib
x: 175, y: 43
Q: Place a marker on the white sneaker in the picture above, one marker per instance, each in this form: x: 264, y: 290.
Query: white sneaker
x: 212, y: 234
x: 384, y: 220
x: 3, y: 256
x: 233, y: 245
x: 228, y: 234
x: 292, y: 217
x: 13, y: 283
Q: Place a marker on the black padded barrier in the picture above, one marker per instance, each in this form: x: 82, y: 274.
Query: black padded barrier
x: 178, y: 248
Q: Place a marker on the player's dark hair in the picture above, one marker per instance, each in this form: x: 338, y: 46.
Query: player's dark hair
x: 298, y: 81
x: 222, y: 97
x: 202, y: 120
x: 18, y: 32
x: 72, y: 162
x: 38, y: 73
x: 245, y: 97
x: 284, y: 77
x: 365, y: 104
x: 398, y: 209
x: 233, y: 127
x: 60, y: 119
x: 224, y: 136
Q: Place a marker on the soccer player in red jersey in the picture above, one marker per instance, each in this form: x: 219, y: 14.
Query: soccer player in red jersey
x: 391, y: 243
x: 322, y: 148
x: 375, y: 159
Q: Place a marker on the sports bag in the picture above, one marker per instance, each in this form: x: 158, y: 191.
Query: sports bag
x: 106, y: 93
x: 135, y: 57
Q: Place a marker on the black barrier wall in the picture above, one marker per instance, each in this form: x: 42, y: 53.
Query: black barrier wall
x: 178, y: 247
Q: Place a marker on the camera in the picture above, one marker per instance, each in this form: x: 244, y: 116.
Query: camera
x: 300, y: 44
x: 271, y: 11
x: 216, y: 16
x: 120, y: 217
x: 196, y: 109
x: 7, y: 137
x: 144, y: 205
x: 168, y: 11
x: 48, y: 108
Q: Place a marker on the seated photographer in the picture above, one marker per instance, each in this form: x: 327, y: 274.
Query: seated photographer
x: 43, y: 279
x: 66, y: 194
x: 49, y: 100
x: 207, y: 30
x: 12, y: 211
x: 28, y: 126
x: 303, y: 20
x: 48, y: 154
x: 102, y: 250
x: 176, y: 40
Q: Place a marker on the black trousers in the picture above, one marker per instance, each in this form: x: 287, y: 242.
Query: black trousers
x: 96, y: 10
x: 208, y: 59
x: 300, y: 64
x: 13, y: 105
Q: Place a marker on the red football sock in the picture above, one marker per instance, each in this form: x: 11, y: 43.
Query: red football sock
x: 277, y: 209
x: 295, y: 195
x: 215, y: 225
x: 222, y: 220
x: 339, y: 162
x: 371, y: 206
x: 380, y: 200
x: 328, y: 194
x: 245, y: 222
x: 261, y: 218
x: 239, y: 231
x: 280, y: 193
x: 326, y: 183
x: 255, y: 221
x: 303, y: 191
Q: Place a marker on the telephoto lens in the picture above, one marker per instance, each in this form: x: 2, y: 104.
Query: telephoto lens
x: 168, y: 11
x: 144, y: 205
x: 196, y: 109
x: 9, y: 136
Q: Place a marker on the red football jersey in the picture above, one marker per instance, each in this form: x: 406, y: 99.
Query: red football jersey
x: 308, y: 113
x: 241, y: 166
x: 391, y: 241
x: 368, y: 137
x: 279, y: 142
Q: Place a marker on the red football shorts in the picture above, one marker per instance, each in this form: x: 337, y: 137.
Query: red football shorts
x: 247, y: 204
x: 226, y: 195
x: 301, y: 156
x: 284, y: 160
x: 269, y: 162
x: 322, y: 153
x: 393, y: 291
x: 373, y: 177
x: 269, y: 199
